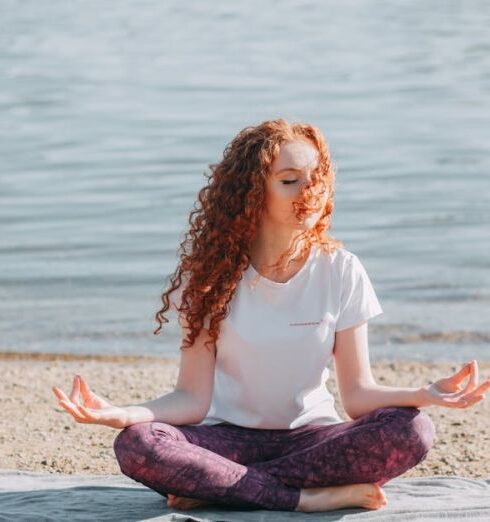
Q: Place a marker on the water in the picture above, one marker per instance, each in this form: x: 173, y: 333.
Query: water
x: 110, y: 117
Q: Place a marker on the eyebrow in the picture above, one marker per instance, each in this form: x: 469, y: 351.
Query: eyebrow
x: 295, y: 169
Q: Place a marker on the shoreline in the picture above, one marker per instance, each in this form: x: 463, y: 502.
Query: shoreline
x: 53, y: 442
x: 65, y: 356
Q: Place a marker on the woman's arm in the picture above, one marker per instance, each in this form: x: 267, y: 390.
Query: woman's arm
x: 357, y: 387
x: 360, y: 394
x: 177, y: 407
x: 369, y: 398
x: 189, y: 402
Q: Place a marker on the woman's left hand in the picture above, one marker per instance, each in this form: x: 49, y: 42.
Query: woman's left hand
x: 449, y: 391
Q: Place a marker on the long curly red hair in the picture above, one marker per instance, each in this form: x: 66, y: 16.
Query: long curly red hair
x: 216, y: 249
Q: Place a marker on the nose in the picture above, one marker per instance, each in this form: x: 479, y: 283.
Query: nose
x: 317, y: 188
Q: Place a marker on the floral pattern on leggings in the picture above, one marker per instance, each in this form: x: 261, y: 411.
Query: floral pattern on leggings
x: 254, y: 468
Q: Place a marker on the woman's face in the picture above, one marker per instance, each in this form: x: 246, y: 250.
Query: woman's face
x: 290, y: 171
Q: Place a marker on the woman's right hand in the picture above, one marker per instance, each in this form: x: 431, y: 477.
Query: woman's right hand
x: 92, y: 409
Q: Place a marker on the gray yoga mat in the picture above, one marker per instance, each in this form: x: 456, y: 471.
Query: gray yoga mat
x: 29, y: 496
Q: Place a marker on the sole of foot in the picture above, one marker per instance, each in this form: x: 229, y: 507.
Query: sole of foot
x: 367, y: 495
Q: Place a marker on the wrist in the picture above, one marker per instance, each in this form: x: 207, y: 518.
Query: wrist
x: 136, y: 413
x: 422, y: 397
x: 129, y: 416
x: 126, y: 418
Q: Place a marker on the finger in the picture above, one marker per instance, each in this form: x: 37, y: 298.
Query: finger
x: 469, y: 399
x: 72, y: 408
x: 88, y: 414
x: 75, y: 392
x: 485, y: 385
x: 60, y: 394
x: 475, y: 399
x: 472, y: 381
x: 455, y: 403
x: 478, y: 398
x: 480, y: 390
x: 465, y: 370
x: 463, y: 373
x: 86, y: 392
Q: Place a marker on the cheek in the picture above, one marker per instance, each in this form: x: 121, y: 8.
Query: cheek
x: 283, y: 195
x: 280, y: 202
x: 286, y: 199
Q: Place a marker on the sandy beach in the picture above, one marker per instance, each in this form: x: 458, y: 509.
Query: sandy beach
x: 38, y: 435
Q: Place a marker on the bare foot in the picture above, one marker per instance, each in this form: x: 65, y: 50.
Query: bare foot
x: 176, y: 502
x: 368, y: 495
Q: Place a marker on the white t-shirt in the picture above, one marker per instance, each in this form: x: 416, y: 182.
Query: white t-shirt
x: 277, y: 340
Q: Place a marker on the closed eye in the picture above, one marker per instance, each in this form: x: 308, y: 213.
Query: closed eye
x: 288, y: 182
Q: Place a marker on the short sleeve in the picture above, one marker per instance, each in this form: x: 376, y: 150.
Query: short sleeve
x: 358, y: 300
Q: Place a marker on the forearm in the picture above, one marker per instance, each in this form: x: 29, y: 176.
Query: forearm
x: 374, y: 396
x: 176, y: 407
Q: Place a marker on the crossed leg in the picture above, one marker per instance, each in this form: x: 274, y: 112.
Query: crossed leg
x: 266, y: 469
x: 376, y: 447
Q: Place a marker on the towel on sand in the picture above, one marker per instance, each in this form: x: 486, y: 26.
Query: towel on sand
x: 43, y: 496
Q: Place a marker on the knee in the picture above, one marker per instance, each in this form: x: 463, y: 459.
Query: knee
x: 130, y: 447
x: 415, y: 429
x: 423, y: 427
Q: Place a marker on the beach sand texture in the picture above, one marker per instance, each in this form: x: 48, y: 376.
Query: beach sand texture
x: 38, y: 435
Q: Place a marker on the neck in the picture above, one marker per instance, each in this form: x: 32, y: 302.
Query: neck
x: 269, y: 245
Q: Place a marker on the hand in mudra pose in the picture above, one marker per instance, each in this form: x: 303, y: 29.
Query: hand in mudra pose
x: 450, y: 392
x: 93, y: 409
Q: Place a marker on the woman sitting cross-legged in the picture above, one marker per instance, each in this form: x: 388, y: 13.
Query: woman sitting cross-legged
x: 266, y: 299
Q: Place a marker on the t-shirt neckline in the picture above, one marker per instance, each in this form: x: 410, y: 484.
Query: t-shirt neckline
x: 275, y: 284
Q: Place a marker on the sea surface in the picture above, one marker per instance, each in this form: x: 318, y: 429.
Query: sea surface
x: 111, y: 114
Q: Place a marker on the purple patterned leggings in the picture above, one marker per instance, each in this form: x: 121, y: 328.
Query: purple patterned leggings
x: 254, y: 468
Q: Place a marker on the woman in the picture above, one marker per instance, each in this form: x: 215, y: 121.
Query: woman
x: 266, y: 298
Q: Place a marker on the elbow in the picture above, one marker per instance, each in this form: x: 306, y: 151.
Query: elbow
x: 348, y: 404
x: 194, y: 417
x: 356, y: 412
x: 353, y: 414
x: 195, y: 408
x: 352, y: 409
x: 197, y: 419
x: 202, y: 412
x: 357, y: 401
